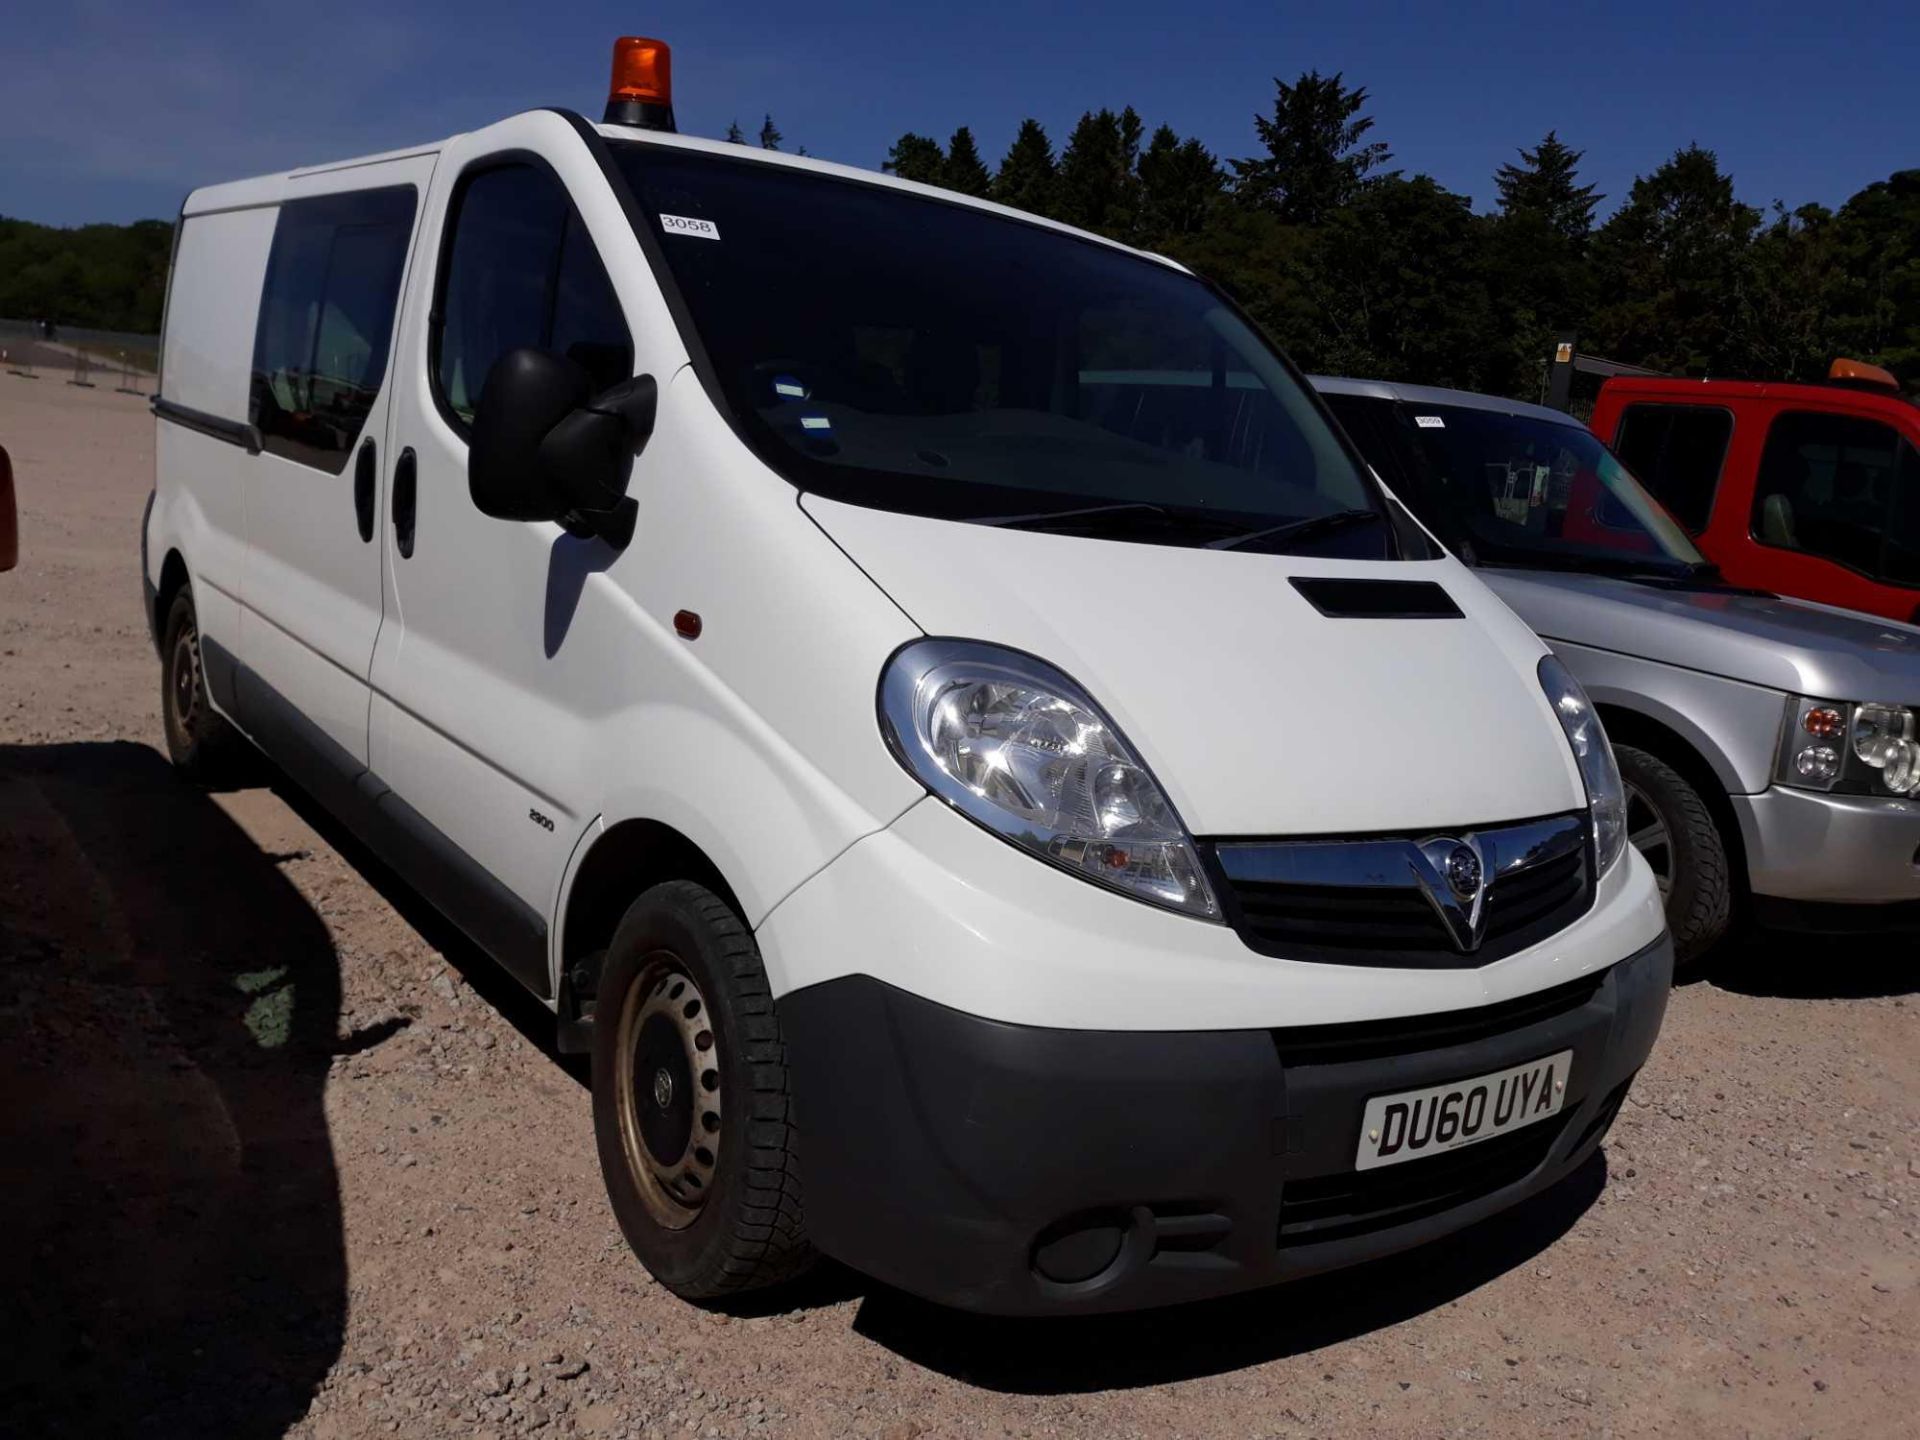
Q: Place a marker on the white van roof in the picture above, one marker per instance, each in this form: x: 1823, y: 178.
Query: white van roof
x: 267, y: 189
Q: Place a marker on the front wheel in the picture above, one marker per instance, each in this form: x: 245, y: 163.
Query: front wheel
x: 691, y: 1105
x: 1671, y: 827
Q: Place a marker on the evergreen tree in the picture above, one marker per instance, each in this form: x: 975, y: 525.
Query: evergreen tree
x: 1543, y: 184
x: 917, y: 157
x: 1535, y: 249
x: 1266, y: 266
x: 1875, y: 270
x: 735, y: 135
x: 1316, y: 157
x: 1096, y: 185
x: 964, y: 170
x: 1794, y: 288
x: 1026, y: 180
x: 1672, y: 263
x: 770, y: 136
x: 1400, y: 292
x: 1179, y: 183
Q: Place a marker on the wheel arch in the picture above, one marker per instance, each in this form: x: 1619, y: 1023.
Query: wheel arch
x: 173, y: 579
x: 1626, y: 726
x: 621, y: 862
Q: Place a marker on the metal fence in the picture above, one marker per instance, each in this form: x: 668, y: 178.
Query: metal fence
x: 93, y: 359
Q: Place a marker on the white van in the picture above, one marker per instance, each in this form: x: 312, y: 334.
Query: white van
x: 1049, y: 855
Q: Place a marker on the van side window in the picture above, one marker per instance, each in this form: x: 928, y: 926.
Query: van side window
x: 1837, y: 486
x: 326, y: 321
x: 1676, y: 452
x: 520, y: 270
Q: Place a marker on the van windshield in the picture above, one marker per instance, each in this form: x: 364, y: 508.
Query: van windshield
x: 1514, y: 489
x: 913, y: 355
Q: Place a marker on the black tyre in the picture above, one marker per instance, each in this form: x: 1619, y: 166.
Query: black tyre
x: 691, y: 1107
x: 1670, y: 825
x: 199, y: 742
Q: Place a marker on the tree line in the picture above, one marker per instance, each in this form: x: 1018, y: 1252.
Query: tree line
x: 1354, y: 267
x: 1359, y: 269
x: 112, y: 277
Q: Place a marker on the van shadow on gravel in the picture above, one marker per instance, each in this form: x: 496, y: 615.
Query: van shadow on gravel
x: 173, y: 1258
x: 1117, y: 1352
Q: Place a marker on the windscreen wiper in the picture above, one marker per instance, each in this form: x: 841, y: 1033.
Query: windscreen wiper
x: 1301, y: 529
x: 1040, y: 519
x: 1138, y: 519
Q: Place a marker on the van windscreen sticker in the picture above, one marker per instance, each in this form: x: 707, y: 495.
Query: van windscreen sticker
x: 687, y: 225
x: 1430, y: 422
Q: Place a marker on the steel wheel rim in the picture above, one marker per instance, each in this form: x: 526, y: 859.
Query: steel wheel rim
x: 667, y: 1091
x: 1648, y: 832
x: 186, y: 675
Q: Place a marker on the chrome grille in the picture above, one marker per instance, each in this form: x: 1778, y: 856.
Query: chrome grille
x: 1385, y: 900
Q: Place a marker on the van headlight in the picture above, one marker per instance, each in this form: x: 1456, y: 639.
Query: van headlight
x: 1606, y: 796
x: 1017, y: 746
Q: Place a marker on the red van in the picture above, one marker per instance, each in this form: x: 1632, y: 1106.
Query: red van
x: 1811, y: 491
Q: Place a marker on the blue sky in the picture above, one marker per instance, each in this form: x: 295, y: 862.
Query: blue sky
x: 112, y: 111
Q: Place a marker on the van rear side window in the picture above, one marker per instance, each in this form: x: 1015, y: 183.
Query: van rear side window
x: 326, y: 321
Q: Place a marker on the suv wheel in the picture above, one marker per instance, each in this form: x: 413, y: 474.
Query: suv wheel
x: 1671, y: 827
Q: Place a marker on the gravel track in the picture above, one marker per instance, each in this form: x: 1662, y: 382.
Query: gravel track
x: 280, y: 1154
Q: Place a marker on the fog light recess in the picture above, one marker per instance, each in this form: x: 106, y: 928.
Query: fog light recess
x: 1079, y: 1249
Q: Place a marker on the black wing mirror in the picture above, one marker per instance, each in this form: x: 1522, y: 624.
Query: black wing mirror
x: 545, y: 447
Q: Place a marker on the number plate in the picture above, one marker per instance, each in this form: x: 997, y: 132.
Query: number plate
x: 1445, y: 1117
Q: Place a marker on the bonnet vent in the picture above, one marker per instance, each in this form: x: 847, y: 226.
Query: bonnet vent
x: 1343, y: 599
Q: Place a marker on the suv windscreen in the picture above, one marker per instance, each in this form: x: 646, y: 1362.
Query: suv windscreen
x: 1516, y: 489
x: 913, y: 355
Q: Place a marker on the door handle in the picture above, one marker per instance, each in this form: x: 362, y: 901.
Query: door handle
x: 364, y: 470
x: 405, y: 499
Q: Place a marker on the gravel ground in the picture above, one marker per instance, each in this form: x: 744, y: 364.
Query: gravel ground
x: 279, y: 1154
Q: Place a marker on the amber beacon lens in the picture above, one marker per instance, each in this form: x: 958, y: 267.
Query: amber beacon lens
x: 642, y: 70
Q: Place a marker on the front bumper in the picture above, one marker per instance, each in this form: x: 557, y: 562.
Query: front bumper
x: 1018, y: 1169
x: 1845, y: 849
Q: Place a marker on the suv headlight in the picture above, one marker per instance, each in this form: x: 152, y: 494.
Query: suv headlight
x: 1606, y: 797
x: 1015, y: 745
x: 1883, y: 737
x: 1855, y: 749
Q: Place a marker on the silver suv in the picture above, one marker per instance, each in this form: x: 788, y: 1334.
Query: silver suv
x: 1767, y: 745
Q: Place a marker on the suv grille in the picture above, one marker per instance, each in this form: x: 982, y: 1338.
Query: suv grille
x: 1391, y: 900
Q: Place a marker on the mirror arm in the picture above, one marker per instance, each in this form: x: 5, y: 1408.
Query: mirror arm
x: 634, y: 404
x: 614, y: 526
